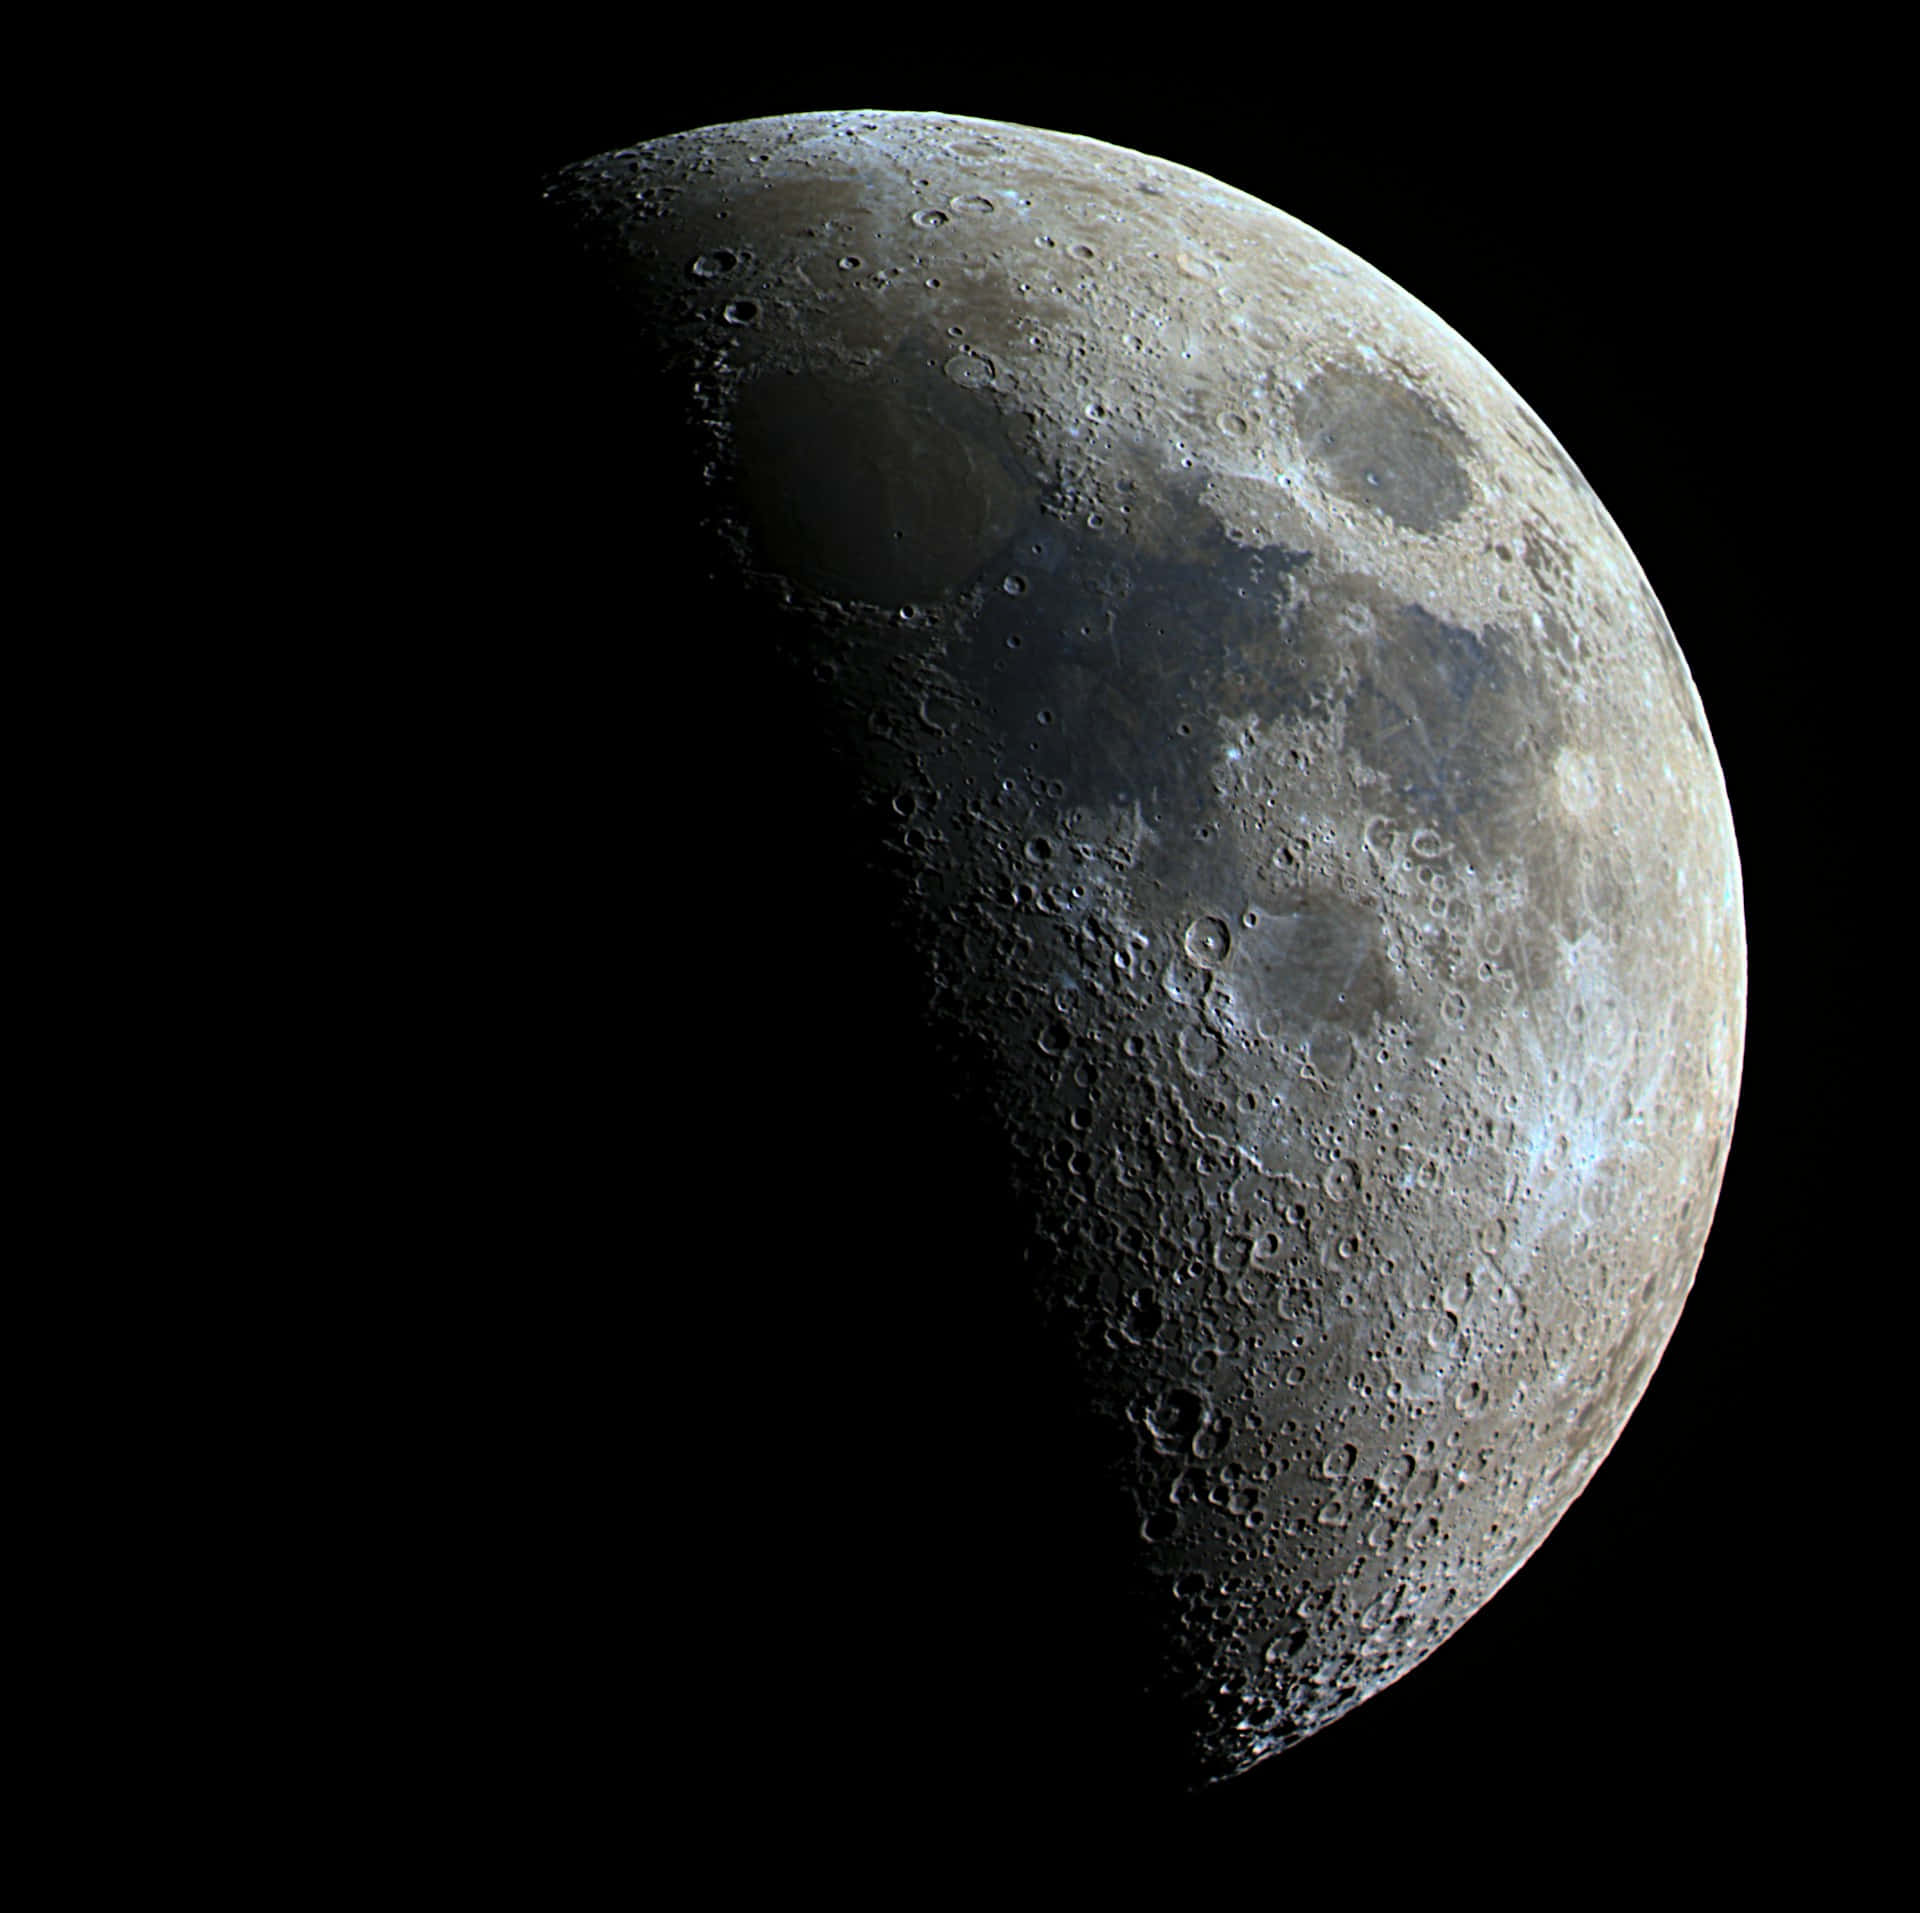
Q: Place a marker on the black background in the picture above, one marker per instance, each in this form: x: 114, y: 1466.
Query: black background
x: 1620, y: 237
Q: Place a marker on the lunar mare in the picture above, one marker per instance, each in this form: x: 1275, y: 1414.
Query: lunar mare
x: 1288, y: 799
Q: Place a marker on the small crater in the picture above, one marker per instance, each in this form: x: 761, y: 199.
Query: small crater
x: 1208, y: 941
x: 1578, y: 780
x: 1200, y: 1052
x: 1339, y: 1462
x: 970, y: 370
x: 1176, y: 1417
x: 1341, y: 1182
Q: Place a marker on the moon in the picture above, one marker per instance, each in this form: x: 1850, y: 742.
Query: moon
x: 1242, y: 847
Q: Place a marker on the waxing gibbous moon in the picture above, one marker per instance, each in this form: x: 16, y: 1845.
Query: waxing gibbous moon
x: 1287, y: 810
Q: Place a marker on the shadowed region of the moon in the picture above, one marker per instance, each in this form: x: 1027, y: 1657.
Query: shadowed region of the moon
x: 1229, y: 979
x: 888, y: 487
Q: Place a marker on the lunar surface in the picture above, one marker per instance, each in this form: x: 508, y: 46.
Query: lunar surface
x: 1200, y: 717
